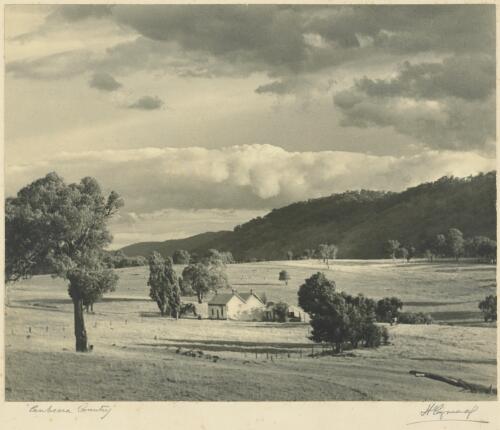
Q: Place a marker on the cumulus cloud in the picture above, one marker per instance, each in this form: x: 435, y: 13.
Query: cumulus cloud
x: 104, y: 82
x: 147, y: 103
x: 245, y: 176
x: 444, y: 105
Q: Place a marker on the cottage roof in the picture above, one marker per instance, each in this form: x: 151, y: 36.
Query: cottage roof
x: 246, y: 296
x: 222, y: 299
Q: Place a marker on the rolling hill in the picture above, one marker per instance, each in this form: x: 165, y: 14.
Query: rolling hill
x: 358, y: 222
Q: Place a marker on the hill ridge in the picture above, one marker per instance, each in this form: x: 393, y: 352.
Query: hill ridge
x: 359, y: 222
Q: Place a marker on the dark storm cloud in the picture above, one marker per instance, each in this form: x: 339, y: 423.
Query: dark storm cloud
x: 469, y: 77
x: 104, y: 82
x: 252, y: 34
x: 283, y: 41
x: 274, y: 35
x: 410, y: 28
x: 79, y: 12
x: 147, y: 103
x: 447, y: 105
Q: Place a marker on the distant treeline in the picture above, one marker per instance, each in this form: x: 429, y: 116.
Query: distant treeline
x: 359, y: 223
x: 118, y: 259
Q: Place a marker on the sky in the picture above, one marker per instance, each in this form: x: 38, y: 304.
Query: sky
x: 203, y: 117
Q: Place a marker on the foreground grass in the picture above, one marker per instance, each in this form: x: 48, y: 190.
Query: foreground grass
x: 165, y: 375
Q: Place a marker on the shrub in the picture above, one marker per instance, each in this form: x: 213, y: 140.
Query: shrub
x: 284, y: 276
x: 281, y: 311
x: 181, y: 256
x: 488, y: 307
x: 388, y: 308
x: 414, y: 318
x: 376, y: 336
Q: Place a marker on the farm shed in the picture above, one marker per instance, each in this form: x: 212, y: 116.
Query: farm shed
x: 236, y: 306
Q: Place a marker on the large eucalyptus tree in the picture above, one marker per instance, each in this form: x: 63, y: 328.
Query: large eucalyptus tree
x: 58, y: 228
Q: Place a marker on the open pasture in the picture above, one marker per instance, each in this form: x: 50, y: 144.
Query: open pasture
x: 139, y: 356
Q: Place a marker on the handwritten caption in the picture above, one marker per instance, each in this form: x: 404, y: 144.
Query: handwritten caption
x: 440, y: 412
x: 101, y: 411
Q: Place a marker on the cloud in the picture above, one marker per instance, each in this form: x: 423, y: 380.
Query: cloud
x: 147, y: 103
x: 78, y: 12
x: 286, y: 87
x: 444, y: 105
x: 288, y: 40
x: 253, y: 177
x: 132, y: 227
x: 104, y: 82
x: 469, y: 77
x: 64, y: 64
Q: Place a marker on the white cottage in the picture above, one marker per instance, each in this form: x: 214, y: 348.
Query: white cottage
x: 236, y: 306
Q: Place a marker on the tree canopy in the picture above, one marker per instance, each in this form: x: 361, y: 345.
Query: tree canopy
x: 163, y: 285
x: 339, y: 318
x: 62, y: 229
x: 205, y: 277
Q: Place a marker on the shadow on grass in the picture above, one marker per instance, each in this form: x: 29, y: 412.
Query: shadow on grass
x: 457, y: 315
x: 68, y: 301
x: 430, y: 303
x: 492, y: 361
x: 258, y: 283
x: 235, y: 346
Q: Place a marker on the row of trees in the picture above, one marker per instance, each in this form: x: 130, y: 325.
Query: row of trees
x: 452, y: 244
x: 181, y: 256
x: 324, y: 252
x: 118, y: 259
x: 198, y: 279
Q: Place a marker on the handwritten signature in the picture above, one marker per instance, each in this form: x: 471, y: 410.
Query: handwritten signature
x: 439, y: 412
x: 85, y: 408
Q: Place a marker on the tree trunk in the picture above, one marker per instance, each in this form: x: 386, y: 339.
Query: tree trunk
x: 80, y: 332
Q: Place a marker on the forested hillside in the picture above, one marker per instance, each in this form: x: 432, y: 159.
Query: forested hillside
x: 358, y: 222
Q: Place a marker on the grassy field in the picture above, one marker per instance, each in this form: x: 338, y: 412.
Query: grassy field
x: 139, y: 356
